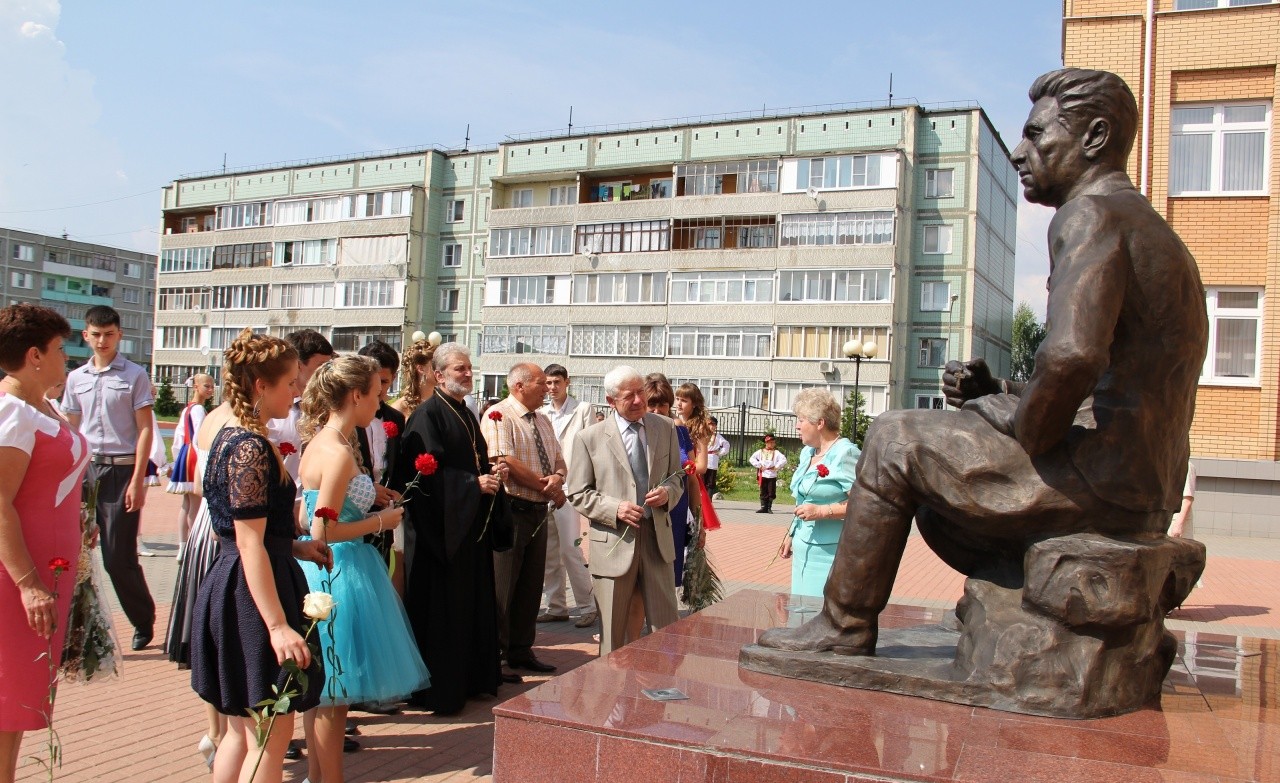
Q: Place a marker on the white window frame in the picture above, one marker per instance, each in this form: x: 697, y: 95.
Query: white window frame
x: 928, y: 346
x: 615, y: 288
x: 563, y: 195
x: 454, y: 210
x: 941, y: 235
x: 929, y: 299
x: 723, y: 342
x: 1218, y: 130
x: 23, y: 252
x: 855, y: 284
x: 451, y: 255
x: 1182, y: 5
x: 130, y: 295
x: 521, y: 198
x: 933, y: 402
x: 936, y: 185
x: 450, y: 300
x: 25, y: 280
x: 1208, y: 374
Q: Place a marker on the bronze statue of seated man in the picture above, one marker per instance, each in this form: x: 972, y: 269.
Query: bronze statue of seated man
x: 1095, y: 442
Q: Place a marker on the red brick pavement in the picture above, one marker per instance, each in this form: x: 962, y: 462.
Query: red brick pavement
x: 144, y: 726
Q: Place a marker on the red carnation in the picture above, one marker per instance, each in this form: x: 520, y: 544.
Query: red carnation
x: 287, y: 448
x: 59, y: 564
x: 390, y: 428
x: 425, y: 464
x: 327, y: 514
x: 823, y: 471
x: 495, y: 415
x: 690, y: 468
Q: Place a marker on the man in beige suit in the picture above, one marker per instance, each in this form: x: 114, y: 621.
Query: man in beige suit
x: 621, y: 479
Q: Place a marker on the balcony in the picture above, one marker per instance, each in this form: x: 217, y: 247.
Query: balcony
x: 86, y: 299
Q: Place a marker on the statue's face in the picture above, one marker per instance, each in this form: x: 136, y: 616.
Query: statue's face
x: 1050, y: 158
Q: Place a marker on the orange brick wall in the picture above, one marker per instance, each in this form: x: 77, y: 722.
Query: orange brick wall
x: 1202, y: 56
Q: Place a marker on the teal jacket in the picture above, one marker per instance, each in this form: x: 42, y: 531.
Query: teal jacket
x: 808, y: 487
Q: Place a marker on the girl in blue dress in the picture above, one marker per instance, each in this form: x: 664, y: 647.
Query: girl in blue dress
x: 367, y: 647
x: 824, y: 475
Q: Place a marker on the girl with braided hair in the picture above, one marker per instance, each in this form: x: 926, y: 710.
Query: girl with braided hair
x: 417, y: 377
x: 366, y: 638
x: 248, y: 617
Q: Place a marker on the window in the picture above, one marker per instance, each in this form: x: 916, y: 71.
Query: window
x: 534, y: 289
x: 734, y: 342
x: 539, y: 241
x: 245, y: 256
x: 933, y: 352
x: 725, y: 232
x: 221, y: 337
x: 822, y: 285
x: 299, y: 295
x: 937, y: 240
x: 239, y: 297
x: 22, y: 280
x: 843, y: 171
x: 180, y: 337
x: 132, y: 269
x: 620, y: 288
x: 451, y: 254
x: 1191, y: 5
x: 190, y: 298
x: 713, y: 179
x: 838, y: 228
x: 721, y: 287
x: 448, y: 300
x: 636, y: 237
x: 931, y: 402
x: 453, y: 211
x: 730, y: 392
x: 130, y: 295
x: 245, y: 215
x: 353, y: 338
x: 350, y: 206
x: 186, y: 259
x: 875, y: 399
x: 524, y: 339
x: 308, y: 252
x: 521, y: 198
x: 130, y: 320
x: 51, y: 256
x: 937, y: 183
x: 564, y: 194
x: 827, y: 342
x: 23, y: 252
x: 616, y: 340
x: 1235, y: 334
x: 1220, y: 148
x: 935, y: 297
x: 369, y: 293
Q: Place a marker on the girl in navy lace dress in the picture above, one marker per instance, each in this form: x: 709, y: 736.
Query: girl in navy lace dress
x: 248, y: 617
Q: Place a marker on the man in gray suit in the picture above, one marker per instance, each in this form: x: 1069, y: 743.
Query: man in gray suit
x: 625, y: 476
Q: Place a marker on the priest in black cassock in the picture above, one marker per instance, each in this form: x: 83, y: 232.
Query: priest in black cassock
x: 450, y: 537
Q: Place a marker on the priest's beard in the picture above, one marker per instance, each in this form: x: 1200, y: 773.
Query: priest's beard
x: 456, y: 390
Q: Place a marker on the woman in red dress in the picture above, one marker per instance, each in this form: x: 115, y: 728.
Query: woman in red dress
x: 42, y: 464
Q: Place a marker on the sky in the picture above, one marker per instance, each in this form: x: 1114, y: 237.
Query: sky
x: 106, y: 103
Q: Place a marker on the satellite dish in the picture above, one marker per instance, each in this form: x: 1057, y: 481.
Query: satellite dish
x: 813, y: 193
x: 204, y: 350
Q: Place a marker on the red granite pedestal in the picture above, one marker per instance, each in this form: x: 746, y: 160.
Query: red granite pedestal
x: 1219, y: 720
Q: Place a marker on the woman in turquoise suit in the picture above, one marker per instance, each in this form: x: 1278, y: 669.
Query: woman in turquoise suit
x: 824, y: 475
x: 369, y: 651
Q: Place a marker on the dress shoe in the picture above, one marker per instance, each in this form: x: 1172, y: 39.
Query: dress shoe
x: 349, y: 728
x: 762, y: 510
x: 207, y: 748
x: 511, y: 677
x: 531, y: 663
x: 587, y: 620
x: 141, y: 638
x: 294, y: 751
x: 821, y: 635
x: 548, y: 617
x: 377, y: 707
x: 349, y: 745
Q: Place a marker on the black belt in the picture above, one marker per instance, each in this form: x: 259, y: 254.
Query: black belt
x: 527, y: 506
x: 114, y: 459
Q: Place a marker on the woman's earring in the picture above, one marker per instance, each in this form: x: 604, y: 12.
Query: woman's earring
x: 256, y: 403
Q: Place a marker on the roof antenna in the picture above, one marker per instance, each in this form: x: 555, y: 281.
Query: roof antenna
x: 570, y: 120
x: 224, y: 163
x: 467, y: 143
x: 64, y: 232
x: 891, y: 89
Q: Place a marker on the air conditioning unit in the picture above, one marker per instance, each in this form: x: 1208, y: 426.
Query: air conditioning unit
x: 826, y: 368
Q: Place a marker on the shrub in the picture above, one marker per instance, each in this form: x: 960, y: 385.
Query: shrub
x: 165, y: 403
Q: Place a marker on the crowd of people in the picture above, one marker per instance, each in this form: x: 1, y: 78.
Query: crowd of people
x: 443, y: 534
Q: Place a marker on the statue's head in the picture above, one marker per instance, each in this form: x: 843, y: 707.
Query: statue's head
x: 1081, y: 122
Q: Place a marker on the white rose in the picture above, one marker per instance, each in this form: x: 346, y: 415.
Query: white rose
x: 317, y: 606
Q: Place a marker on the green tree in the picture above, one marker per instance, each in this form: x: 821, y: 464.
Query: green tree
x: 853, y: 420
x: 165, y: 403
x: 1028, y: 333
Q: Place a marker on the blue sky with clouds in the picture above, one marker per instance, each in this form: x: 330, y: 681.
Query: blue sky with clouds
x: 105, y: 103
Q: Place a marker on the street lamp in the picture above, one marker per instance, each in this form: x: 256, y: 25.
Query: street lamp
x: 858, y: 350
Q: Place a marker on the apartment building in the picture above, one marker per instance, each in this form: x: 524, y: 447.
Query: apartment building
x: 1204, y: 73
x: 70, y: 277
x: 743, y: 254
x: 350, y: 247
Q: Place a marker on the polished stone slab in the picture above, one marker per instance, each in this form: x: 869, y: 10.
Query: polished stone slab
x: 1218, y: 720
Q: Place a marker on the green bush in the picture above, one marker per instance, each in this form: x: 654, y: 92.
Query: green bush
x: 165, y: 403
x: 726, y: 477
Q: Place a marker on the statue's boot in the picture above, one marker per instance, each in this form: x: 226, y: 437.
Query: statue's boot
x: 820, y: 634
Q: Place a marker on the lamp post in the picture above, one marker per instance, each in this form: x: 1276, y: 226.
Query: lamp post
x: 859, y: 351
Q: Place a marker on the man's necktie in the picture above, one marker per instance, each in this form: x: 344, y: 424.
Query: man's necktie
x: 543, y: 459
x: 639, y: 464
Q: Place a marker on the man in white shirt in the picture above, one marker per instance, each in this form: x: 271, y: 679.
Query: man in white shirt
x: 719, y: 447
x: 564, y: 555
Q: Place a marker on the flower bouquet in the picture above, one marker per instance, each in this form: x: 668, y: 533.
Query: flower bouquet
x: 91, y: 646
